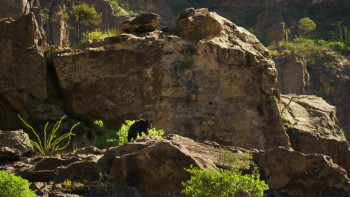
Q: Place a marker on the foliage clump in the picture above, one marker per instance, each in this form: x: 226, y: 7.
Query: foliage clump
x: 306, y: 25
x: 14, y: 186
x: 98, y: 34
x: 228, y: 181
x: 51, y: 143
x: 111, y: 138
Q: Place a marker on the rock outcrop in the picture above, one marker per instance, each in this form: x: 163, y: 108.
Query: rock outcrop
x: 14, y: 145
x: 154, y: 166
x: 217, y: 88
x: 145, y: 22
x: 292, y: 173
x: 14, y: 9
x: 293, y: 76
x: 328, y: 76
x: 313, y: 127
x: 23, y: 73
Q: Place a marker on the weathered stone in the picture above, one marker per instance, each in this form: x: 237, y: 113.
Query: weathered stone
x: 14, y: 8
x: 145, y: 22
x: 74, y: 167
x: 315, y: 128
x: 24, y: 30
x: 22, y: 70
x: 274, y: 30
x: 220, y: 88
x: 293, y: 77
x: 156, y: 166
x: 14, y: 145
x: 199, y: 24
x: 291, y: 173
x: 89, y: 150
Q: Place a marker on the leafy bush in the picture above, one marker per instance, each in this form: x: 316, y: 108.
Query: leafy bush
x: 338, y: 46
x: 51, y: 144
x: 228, y: 181
x: 306, y: 25
x: 111, y: 138
x: 14, y: 186
x: 98, y: 34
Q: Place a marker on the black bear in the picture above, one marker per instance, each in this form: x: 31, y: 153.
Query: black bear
x: 137, y: 128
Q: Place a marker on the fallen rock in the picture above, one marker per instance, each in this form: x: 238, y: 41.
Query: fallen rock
x: 145, y: 22
x: 312, y: 127
x: 292, y: 173
x: 219, y: 88
x: 14, y: 145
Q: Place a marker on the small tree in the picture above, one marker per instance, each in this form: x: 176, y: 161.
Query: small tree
x: 86, y: 14
x: 306, y: 25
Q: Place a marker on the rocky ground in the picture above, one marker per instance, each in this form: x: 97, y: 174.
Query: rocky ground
x: 206, y: 81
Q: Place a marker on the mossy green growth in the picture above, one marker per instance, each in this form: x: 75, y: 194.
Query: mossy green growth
x: 14, y: 186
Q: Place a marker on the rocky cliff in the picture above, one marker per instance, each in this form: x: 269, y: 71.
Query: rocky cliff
x: 216, y: 86
x: 328, y: 77
x: 204, y: 78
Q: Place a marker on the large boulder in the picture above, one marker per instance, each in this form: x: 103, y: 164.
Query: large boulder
x: 198, y: 24
x: 14, y: 145
x: 156, y: 166
x: 327, y: 75
x: 145, y: 22
x: 292, y: 173
x: 310, y: 120
x: 218, y: 88
x: 316, y: 123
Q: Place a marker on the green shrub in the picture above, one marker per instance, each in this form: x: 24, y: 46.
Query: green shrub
x: 52, y: 143
x: 306, y: 25
x: 111, y: 138
x: 228, y: 181
x: 300, y: 46
x: 338, y: 46
x: 14, y: 186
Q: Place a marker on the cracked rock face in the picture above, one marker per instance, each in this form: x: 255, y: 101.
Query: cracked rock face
x: 217, y: 88
x: 292, y: 173
x: 313, y: 127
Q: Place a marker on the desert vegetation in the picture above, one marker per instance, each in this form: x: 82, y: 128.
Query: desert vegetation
x: 227, y: 181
